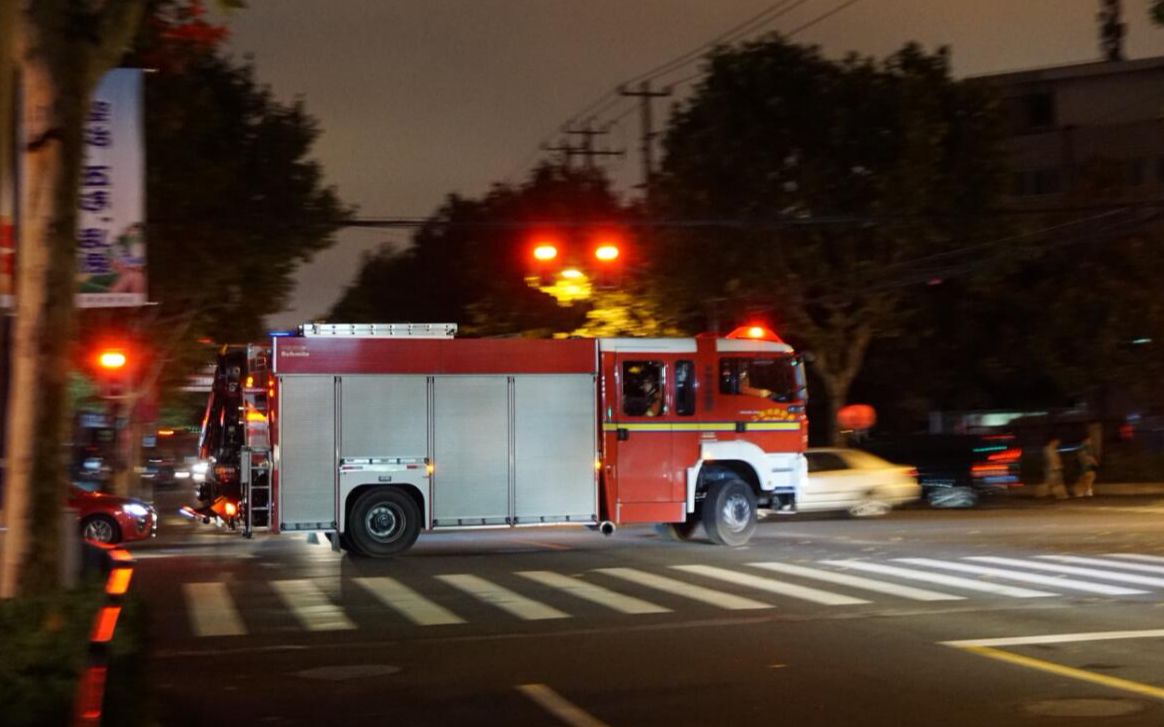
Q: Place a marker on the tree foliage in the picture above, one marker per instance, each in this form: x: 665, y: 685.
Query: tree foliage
x: 827, y: 192
x: 235, y: 202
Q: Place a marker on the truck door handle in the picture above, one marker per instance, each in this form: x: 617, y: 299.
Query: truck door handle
x: 622, y: 433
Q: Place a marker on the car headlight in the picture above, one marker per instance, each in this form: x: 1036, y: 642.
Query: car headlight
x: 135, y: 509
x: 200, y: 468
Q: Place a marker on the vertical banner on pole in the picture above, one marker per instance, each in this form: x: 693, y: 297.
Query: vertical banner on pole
x: 111, y: 256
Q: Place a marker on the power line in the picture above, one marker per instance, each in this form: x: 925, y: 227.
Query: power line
x: 815, y: 21
x: 602, y: 104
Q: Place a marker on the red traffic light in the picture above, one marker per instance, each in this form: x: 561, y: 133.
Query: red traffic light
x: 112, y: 360
x: 545, y: 247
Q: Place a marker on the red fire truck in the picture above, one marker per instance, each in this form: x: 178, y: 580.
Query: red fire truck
x: 373, y: 433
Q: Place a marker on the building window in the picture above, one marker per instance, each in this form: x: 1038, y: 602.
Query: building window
x: 1134, y: 173
x: 1039, y: 110
x: 1037, y: 182
x: 1046, y: 181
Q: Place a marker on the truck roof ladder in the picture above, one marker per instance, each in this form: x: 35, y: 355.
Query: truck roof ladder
x: 378, y: 330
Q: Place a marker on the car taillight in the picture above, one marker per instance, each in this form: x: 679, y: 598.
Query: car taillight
x: 1006, y: 455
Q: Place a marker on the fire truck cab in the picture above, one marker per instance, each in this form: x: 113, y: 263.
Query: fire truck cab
x: 376, y: 432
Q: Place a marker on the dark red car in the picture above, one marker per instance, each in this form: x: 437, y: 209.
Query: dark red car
x: 112, y: 519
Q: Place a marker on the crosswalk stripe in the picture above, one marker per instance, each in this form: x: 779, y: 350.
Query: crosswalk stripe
x: 503, y: 598
x: 1076, y: 571
x: 940, y: 578
x: 1014, y: 575
x: 686, y: 590
x: 868, y: 584
x: 594, y: 594
x: 1137, y: 556
x: 408, y: 602
x: 211, y: 610
x: 311, y: 606
x: 772, y: 586
x: 1109, y: 563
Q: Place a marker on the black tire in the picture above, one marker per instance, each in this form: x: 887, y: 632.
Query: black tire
x: 101, y: 529
x: 345, y: 541
x: 729, y: 512
x: 871, y: 505
x: 384, y: 521
x: 678, y: 531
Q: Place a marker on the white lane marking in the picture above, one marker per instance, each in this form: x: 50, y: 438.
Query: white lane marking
x: 407, y: 602
x: 687, y: 590
x: 594, y: 594
x: 212, y: 612
x: 558, y: 706
x: 310, y: 606
x: 1014, y: 575
x: 868, y: 584
x: 1076, y: 571
x: 791, y: 590
x: 940, y: 578
x: 503, y: 598
x: 1060, y: 638
x: 1137, y: 556
x: 1109, y: 563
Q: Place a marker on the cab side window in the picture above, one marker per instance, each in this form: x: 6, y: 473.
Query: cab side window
x: 685, y: 388
x: 642, y: 388
x: 778, y: 379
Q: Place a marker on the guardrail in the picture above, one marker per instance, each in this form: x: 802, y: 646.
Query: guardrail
x: 90, y: 698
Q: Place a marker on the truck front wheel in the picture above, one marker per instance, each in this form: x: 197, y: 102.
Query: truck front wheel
x: 384, y: 522
x: 729, y: 512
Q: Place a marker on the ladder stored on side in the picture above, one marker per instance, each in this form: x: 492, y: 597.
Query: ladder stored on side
x: 255, y: 474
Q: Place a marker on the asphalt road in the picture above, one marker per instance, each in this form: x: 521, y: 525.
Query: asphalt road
x: 1021, y: 613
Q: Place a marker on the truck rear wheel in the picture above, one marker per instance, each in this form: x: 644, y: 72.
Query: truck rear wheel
x: 384, y: 522
x: 729, y: 512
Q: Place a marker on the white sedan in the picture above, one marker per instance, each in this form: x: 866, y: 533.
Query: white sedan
x: 861, y: 483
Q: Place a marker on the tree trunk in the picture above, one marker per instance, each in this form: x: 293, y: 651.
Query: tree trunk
x: 837, y: 390
x: 62, y: 52
x: 837, y: 368
x: 51, y: 147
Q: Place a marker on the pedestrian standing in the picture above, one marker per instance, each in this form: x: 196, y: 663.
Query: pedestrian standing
x: 1052, y: 471
x: 1088, y: 464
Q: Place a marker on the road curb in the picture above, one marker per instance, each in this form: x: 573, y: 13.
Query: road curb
x: 1106, y: 489
x: 90, y: 697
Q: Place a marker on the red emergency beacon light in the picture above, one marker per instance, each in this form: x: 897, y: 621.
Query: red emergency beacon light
x: 755, y: 332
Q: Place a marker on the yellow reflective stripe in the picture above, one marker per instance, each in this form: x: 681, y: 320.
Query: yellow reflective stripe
x: 699, y: 426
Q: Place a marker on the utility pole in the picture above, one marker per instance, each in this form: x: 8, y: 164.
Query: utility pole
x: 585, y: 148
x: 645, y: 95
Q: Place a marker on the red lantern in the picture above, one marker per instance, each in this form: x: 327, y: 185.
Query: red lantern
x: 857, y: 416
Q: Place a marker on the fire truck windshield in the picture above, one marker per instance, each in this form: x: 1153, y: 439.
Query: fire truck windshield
x: 779, y: 379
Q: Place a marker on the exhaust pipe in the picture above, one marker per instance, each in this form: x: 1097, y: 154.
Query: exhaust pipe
x: 606, y: 528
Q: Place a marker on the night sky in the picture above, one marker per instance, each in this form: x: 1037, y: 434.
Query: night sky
x: 418, y: 99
